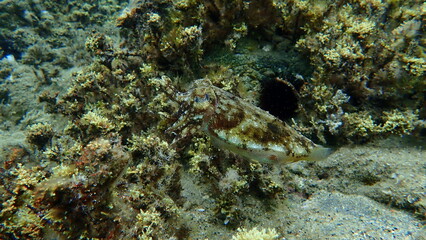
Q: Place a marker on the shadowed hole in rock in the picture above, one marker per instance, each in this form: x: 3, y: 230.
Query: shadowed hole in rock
x: 279, y: 97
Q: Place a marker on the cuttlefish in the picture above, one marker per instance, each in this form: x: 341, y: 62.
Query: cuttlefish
x: 243, y: 128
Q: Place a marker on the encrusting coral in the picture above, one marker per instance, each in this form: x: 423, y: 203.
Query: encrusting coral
x: 376, y: 64
x: 40, y: 134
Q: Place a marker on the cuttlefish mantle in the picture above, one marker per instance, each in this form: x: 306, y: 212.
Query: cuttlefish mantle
x: 243, y: 128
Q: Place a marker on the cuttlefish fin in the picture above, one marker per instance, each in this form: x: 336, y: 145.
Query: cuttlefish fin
x: 319, y: 153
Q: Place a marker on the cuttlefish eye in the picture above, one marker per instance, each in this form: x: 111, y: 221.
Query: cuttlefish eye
x: 203, y: 99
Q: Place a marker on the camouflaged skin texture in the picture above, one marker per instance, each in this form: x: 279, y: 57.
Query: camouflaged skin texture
x: 243, y: 128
